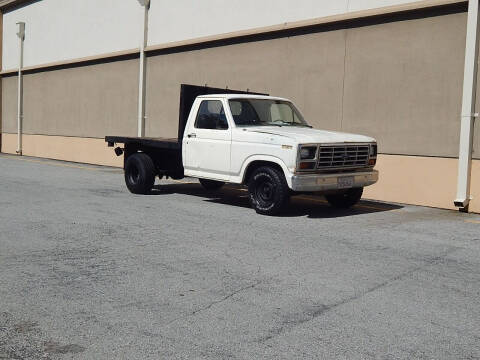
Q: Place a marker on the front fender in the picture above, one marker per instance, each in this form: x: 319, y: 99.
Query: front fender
x: 267, y: 158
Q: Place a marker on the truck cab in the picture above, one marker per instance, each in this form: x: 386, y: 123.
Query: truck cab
x: 229, y: 137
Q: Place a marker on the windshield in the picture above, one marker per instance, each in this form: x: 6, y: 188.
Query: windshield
x: 255, y: 112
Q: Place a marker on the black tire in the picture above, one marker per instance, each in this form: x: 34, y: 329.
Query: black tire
x: 268, y: 190
x: 139, y: 173
x: 211, y: 184
x: 345, y: 199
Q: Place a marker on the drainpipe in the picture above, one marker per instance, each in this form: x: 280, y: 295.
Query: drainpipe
x: 21, y: 37
x: 143, y: 71
x: 468, y: 109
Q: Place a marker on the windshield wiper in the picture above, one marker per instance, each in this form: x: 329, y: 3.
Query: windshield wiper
x: 294, y: 124
x: 264, y: 123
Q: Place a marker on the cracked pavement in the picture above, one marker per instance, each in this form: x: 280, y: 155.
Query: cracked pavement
x: 90, y: 271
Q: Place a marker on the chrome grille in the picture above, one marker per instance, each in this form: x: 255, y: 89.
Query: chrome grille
x: 342, y: 156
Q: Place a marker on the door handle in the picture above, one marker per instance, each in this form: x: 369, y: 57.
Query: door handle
x: 192, y: 135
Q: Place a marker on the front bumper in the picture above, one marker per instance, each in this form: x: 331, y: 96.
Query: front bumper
x: 327, y: 182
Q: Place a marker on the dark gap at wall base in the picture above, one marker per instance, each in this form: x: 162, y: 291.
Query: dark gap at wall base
x: 85, y: 63
x: 17, y: 5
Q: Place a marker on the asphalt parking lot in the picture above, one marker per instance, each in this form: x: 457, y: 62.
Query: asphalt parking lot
x: 90, y: 271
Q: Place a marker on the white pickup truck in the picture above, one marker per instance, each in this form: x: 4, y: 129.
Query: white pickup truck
x: 262, y: 142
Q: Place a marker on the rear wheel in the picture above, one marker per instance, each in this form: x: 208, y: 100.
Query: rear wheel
x: 211, y: 184
x: 268, y: 190
x: 345, y: 199
x: 139, y: 173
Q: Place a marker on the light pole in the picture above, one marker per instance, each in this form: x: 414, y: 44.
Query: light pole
x: 143, y: 70
x: 21, y: 37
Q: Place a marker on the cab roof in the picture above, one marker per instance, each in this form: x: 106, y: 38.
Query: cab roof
x: 241, y: 96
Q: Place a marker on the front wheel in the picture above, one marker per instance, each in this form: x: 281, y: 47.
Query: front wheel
x: 345, y: 199
x: 268, y: 190
x: 211, y: 184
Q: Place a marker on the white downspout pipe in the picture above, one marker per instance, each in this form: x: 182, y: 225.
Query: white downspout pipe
x: 21, y: 37
x: 143, y: 71
x: 468, y: 109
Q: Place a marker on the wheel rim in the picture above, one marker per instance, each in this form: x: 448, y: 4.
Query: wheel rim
x: 265, y: 192
x: 134, y: 175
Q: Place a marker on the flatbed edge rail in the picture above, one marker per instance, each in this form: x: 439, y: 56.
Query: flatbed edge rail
x: 161, y: 143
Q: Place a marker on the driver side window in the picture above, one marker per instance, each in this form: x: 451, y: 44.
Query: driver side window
x: 211, y: 115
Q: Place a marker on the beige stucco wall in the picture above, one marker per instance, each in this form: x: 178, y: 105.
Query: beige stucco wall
x: 475, y: 187
x: 400, y: 82
x: 403, y: 84
x: 85, y: 101
x: 307, y: 69
x: 404, y: 179
x: 476, y: 139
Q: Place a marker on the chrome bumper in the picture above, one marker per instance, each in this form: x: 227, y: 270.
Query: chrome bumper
x: 326, y: 182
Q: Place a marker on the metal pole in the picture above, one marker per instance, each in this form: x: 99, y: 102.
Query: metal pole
x: 21, y: 36
x: 468, y: 109
x: 143, y: 71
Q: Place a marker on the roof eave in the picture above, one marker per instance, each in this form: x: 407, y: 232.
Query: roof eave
x: 8, y: 4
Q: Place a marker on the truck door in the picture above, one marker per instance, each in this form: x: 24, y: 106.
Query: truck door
x: 208, y: 143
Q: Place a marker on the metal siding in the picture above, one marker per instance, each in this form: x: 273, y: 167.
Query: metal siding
x: 64, y: 30
x: 193, y: 19
x: 59, y: 30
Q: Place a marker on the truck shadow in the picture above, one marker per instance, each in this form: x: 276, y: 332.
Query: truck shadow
x: 302, y: 205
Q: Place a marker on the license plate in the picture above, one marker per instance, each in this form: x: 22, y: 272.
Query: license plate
x: 345, y: 182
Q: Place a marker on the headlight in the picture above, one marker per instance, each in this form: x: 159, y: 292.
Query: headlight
x: 308, y: 152
x: 373, y: 150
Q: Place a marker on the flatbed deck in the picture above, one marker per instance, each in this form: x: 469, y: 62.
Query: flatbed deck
x: 161, y: 143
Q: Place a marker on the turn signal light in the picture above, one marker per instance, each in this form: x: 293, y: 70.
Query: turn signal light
x: 372, y: 162
x: 307, y: 165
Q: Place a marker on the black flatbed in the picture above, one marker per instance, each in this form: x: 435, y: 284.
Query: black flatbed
x: 166, y: 153
x: 159, y: 143
x: 188, y: 94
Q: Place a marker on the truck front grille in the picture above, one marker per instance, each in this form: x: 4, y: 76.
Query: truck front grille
x: 342, y: 156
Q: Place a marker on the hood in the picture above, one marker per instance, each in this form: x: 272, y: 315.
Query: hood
x: 304, y: 135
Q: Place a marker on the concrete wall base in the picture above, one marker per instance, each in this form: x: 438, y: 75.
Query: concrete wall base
x: 77, y: 149
x: 426, y: 181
